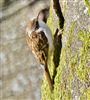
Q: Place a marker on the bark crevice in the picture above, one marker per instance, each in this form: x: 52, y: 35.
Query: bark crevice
x: 57, y: 37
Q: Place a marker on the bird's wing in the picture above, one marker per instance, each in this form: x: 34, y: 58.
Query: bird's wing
x: 38, y: 43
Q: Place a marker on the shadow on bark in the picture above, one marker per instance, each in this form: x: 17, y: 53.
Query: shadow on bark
x: 57, y: 38
x: 57, y: 51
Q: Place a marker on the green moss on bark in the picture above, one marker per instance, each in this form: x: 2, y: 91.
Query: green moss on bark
x: 73, y: 65
x: 87, y: 3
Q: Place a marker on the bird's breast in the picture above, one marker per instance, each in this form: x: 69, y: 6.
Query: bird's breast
x: 47, y: 32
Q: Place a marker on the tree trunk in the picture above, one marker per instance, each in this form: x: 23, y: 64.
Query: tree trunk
x: 69, y: 66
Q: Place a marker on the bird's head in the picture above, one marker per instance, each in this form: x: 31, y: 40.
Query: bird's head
x: 33, y: 24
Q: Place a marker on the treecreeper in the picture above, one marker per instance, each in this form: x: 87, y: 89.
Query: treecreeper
x: 39, y: 39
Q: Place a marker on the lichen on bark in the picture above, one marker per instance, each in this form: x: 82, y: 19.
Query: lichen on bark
x: 72, y: 80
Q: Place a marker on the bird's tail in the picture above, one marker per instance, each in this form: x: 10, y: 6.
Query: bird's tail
x: 48, y: 77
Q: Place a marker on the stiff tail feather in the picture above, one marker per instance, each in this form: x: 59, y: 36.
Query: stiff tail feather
x: 48, y: 77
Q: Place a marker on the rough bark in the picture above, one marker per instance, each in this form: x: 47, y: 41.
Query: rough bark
x: 70, y: 68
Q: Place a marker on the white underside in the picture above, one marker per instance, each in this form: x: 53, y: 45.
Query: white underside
x: 47, y: 32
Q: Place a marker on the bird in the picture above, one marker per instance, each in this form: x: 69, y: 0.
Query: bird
x: 43, y: 14
x: 39, y: 39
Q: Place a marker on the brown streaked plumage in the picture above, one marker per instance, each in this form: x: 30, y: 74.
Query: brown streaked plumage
x: 33, y: 25
x: 39, y: 39
x: 38, y: 43
x: 39, y: 46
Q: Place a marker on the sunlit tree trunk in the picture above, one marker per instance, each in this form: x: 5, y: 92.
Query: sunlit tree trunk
x: 70, y: 62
